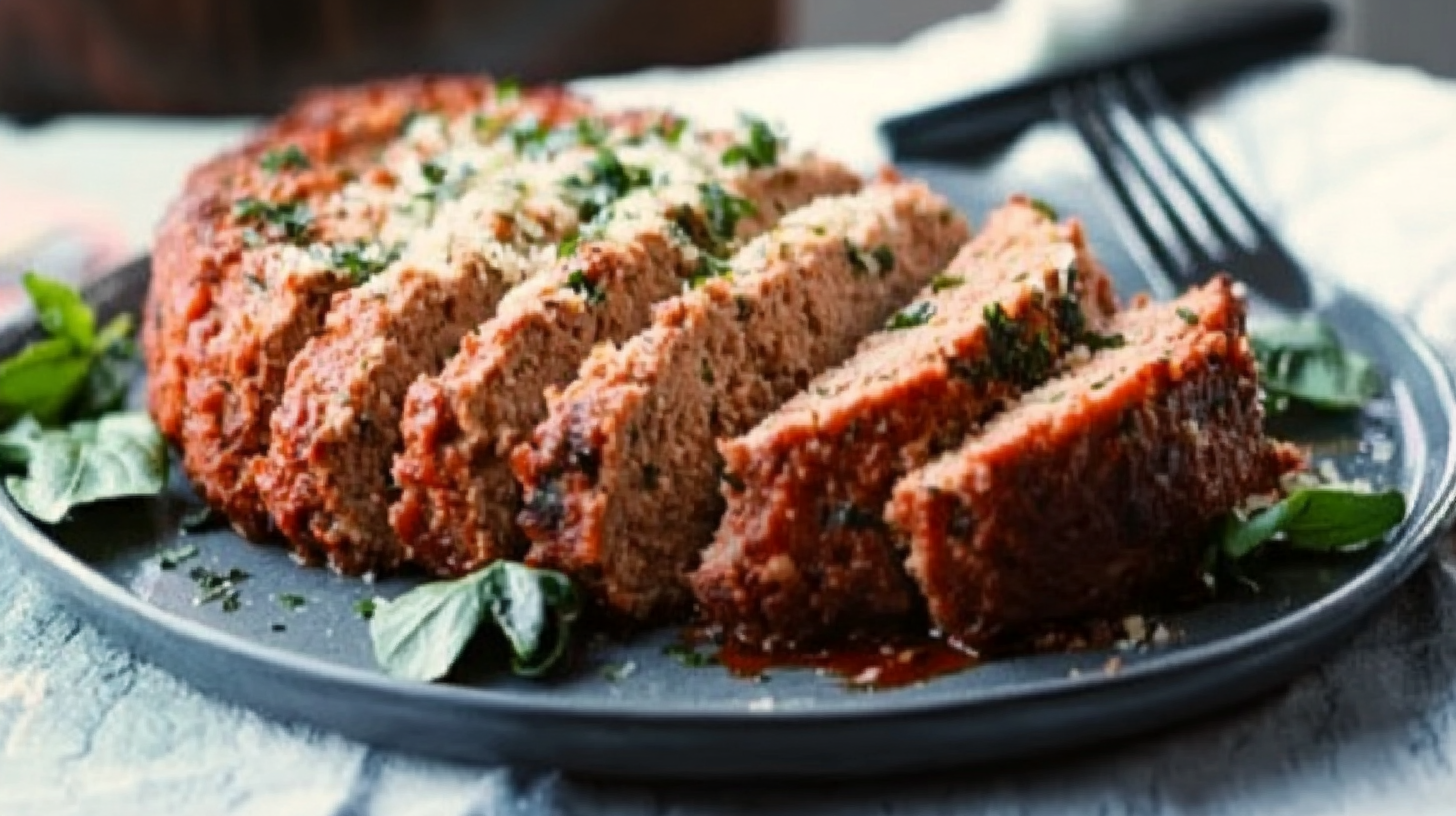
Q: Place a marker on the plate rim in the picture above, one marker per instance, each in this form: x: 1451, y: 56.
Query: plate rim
x: 1383, y: 574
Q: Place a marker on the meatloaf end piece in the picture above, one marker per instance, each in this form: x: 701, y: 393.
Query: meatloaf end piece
x: 801, y: 555
x: 621, y: 479
x: 459, y: 500
x: 201, y: 244
x: 283, y: 295
x: 1097, y: 493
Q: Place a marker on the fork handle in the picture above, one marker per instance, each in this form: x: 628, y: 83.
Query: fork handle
x: 1186, y: 52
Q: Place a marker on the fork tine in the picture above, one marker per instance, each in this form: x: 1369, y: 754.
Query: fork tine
x: 1147, y: 109
x: 1113, y: 100
x: 1155, y: 102
x: 1085, y: 119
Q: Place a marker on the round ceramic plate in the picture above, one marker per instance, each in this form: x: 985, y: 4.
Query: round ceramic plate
x: 629, y: 709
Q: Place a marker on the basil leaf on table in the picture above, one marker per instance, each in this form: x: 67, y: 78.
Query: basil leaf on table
x: 117, y: 456
x: 420, y: 634
x: 1319, y: 519
x: 1304, y: 361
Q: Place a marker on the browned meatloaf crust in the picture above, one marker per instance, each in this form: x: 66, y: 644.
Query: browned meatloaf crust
x: 327, y: 481
x: 801, y: 555
x: 201, y: 245
x: 1097, y: 492
x: 621, y: 479
x: 279, y: 301
x: 459, y: 500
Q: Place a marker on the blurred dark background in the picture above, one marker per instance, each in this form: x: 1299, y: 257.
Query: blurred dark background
x: 251, y: 56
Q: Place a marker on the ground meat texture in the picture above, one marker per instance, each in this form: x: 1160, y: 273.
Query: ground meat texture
x: 202, y: 246
x: 1097, y: 493
x: 458, y: 499
x: 621, y: 480
x: 327, y: 477
x: 802, y: 555
x: 280, y: 301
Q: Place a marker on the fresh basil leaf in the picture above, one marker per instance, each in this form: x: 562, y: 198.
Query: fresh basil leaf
x: 1304, y: 362
x: 534, y: 609
x: 17, y: 443
x: 113, y: 368
x: 1319, y: 519
x: 61, y: 310
x: 116, y: 456
x: 419, y: 635
x: 42, y: 379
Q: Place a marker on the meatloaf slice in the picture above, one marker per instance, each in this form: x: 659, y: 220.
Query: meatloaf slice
x: 621, y: 480
x: 801, y: 554
x: 203, y: 245
x: 327, y: 478
x: 458, y: 499
x: 1098, y: 491
x: 284, y: 292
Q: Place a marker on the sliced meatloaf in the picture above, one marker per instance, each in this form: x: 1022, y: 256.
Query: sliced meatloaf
x: 458, y: 499
x: 801, y: 554
x: 211, y: 231
x: 287, y: 287
x: 1098, y: 491
x: 327, y: 479
x: 621, y: 480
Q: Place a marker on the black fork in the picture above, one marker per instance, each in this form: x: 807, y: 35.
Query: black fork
x: 1190, y: 217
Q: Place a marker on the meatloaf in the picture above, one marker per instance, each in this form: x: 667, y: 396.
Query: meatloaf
x: 621, y: 479
x: 326, y: 480
x: 213, y: 229
x: 458, y: 499
x: 801, y: 555
x: 288, y: 285
x: 1096, y: 493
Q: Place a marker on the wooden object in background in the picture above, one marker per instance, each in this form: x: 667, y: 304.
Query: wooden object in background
x: 249, y: 56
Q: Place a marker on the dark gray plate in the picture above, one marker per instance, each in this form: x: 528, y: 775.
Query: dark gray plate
x: 666, y: 720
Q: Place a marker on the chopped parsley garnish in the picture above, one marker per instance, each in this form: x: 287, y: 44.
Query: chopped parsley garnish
x: 689, y: 656
x: 215, y: 586
x: 290, y: 601
x: 1010, y: 353
x: 708, y: 268
x: 706, y: 372
x: 291, y: 219
x: 606, y: 179
x: 364, y: 608
x: 723, y: 210
x: 944, y: 282
x: 284, y: 158
x: 198, y: 519
x: 1044, y: 208
x: 1096, y: 342
x: 1188, y: 315
x: 169, y: 558
x: 731, y: 479
x: 360, y: 261
x: 760, y: 147
x: 587, y: 288
x: 434, y: 172
x: 528, y: 136
x: 278, y: 627
x: 590, y: 132
x: 567, y: 246
x: 916, y: 314
x: 671, y: 130
x: 507, y: 89
x: 878, y: 261
x: 649, y: 476
x: 617, y: 672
